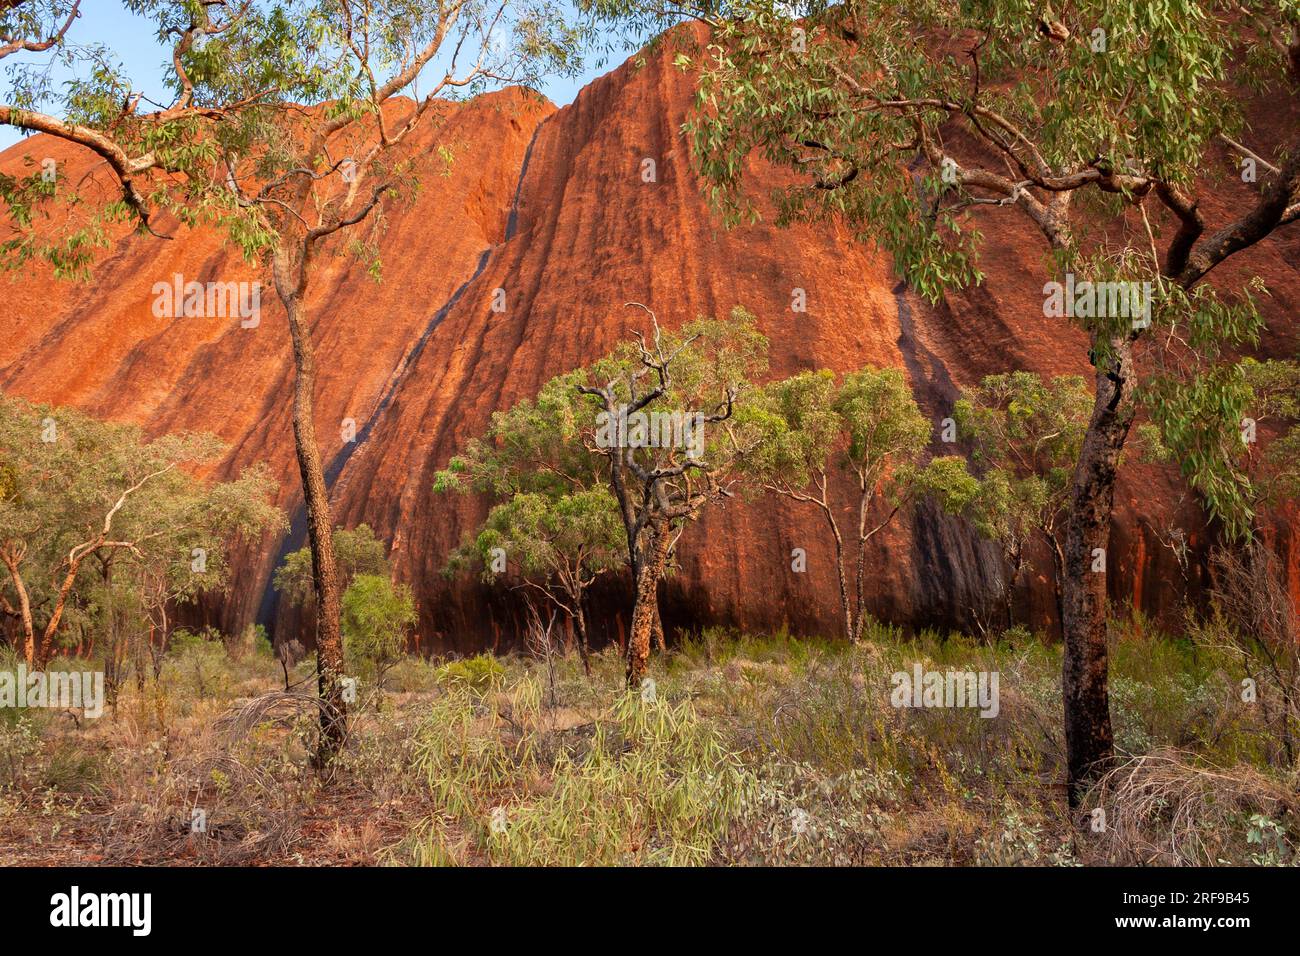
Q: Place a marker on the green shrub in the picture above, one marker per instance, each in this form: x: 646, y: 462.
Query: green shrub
x: 20, y: 743
x: 196, y: 665
x: 262, y: 643
x: 377, y: 616
x: 481, y: 673
x: 651, y: 783
x: 656, y: 786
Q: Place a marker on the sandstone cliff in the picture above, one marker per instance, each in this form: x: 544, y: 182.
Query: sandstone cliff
x: 551, y: 207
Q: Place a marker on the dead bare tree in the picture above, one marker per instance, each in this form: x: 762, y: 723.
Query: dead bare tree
x: 1261, y: 631
x: 540, y: 642
x: 289, y: 653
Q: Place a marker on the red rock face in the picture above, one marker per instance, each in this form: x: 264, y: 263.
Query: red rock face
x: 553, y: 207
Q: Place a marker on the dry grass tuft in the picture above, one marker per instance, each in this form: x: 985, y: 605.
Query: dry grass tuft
x: 1164, y: 808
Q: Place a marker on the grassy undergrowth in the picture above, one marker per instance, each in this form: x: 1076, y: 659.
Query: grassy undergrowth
x: 746, y: 750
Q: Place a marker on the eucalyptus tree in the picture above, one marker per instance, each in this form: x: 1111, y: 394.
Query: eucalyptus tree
x: 556, y: 546
x: 227, y: 57
x: 903, y: 120
x: 662, y: 405
x: 1255, y: 465
x: 634, y: 445
x: 377, y: 618
x: 536, y: 446
x: 289, y: 129
x: 1252, y: 586
x: 550, y: 524
x: 1025, y: 435
x: 1242, y: 431
x: 73, y: 489
x: 807, y: 431
x: 1274, y: 469
x: 357, y: 551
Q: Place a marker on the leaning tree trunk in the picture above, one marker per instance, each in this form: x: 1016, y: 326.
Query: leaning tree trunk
x: 645, y: 610
x: 29, y: 632
x: 1089, y: 741
x: 24, y: 609
x: 329, y: 640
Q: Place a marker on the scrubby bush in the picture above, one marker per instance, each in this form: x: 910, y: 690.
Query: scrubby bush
x: 377, y: 615
x: 479, y: 673
x: 20, y: 742
x: 753, y: 750
x: 651, y: 783
x: 262, y: 646
x: 196, y: 666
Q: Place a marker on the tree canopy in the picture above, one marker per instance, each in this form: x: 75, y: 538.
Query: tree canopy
x: 75, y: 489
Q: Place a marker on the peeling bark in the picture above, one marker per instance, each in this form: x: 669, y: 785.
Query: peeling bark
x: 645, y: 610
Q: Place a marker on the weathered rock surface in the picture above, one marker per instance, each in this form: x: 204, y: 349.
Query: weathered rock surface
x: 551, y: 207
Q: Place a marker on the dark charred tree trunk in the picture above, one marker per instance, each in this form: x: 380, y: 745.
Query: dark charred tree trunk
x: 1089, y: 740
x: 329, y: 639
x: 1008, y: 601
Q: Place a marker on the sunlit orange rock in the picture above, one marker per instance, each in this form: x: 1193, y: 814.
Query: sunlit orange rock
x: 551, y: 206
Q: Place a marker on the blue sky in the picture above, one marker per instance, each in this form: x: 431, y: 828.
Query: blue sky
x: 132, y: 39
